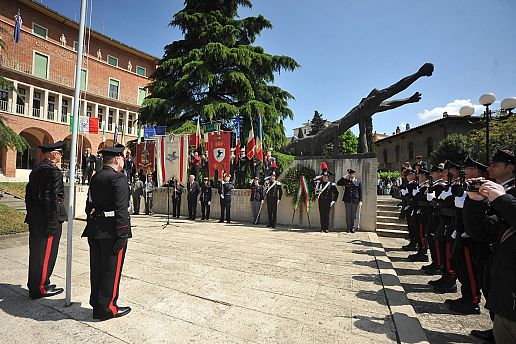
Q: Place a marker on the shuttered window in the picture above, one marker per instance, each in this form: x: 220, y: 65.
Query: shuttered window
x: 142, y: 93
x: 40, y: 65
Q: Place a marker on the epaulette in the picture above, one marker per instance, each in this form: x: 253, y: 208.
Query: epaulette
x: 278, y: 183
x: 332, y: 184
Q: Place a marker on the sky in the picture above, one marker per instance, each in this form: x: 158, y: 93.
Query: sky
x: 348, y: 47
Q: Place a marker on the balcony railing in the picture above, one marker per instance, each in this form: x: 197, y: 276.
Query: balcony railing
x: 20, y: 109
x: 51, y: 115
x: 36, y: 112
x: 3, y: 105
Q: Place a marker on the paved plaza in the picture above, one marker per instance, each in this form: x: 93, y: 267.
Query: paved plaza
x: 198, y: 282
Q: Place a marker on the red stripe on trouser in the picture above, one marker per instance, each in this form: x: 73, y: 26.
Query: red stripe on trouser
x: 162, y: 149
x: 471, y: 276
x: 449, y: 258
x: 438, y: 252
x: 421, y: 237
x: 112, y: 307
x: 181, y: 155
x: 42, y: 289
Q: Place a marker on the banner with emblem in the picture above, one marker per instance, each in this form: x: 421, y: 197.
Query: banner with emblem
x: 172, y: 158
x: 219, y: 152
x: 145, y: 157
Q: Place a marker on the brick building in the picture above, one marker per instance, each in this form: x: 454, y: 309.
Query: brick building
x: 393, y: 151
x: 42, y: 67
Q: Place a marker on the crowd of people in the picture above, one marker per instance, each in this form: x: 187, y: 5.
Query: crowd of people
x: 463, y: 214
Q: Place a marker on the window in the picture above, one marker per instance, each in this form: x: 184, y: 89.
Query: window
x: 20, y: 101
x: 64, y: 111
x: 76, y: 46
x: 4, y: 98
x: 51, y: 107
x: 430, y: 145
x: 113, y: 88
x: 89, y: 110
x: 110, y: 121
x: 40, y: 65
x: 39, y: 30
x: 36, y: 104
x: 141, y: 71
x: 100, y: 115
x: 142, y: 93
x: 411, y: 150
x: 112, y: 61
x: 84, y: 79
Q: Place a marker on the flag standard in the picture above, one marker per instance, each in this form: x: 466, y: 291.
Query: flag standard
x: 17, y: 27
x: 140, y: 135
x: 104, y: 133
x: 259, y: 140
x: 172, y: 154
x: 237, y: 138
x: 251, y: 143
x: 198, y: 133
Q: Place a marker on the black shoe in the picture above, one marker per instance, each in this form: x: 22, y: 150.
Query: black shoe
x: 429, y: 266
x: 49, y: 293
x: 120, y: 313
x: 228, y: 221
x: 202, y: 218
x: 436, y: 283
x: 221, y: 221
x: 418, y: 257
x: 409, y: 247
x: 445, y: 288
x: 136, y: 213
x: 352, y: 230
x: 326, y: 231
x: 434, y: 271
x: 486, y: 335
x: 348, y: 230
x: 455, y: 301
x: 269, y: 225
x: 273, y: 227
x: 465, y: 308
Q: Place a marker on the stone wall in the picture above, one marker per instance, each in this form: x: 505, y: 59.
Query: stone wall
x: 366, y: 167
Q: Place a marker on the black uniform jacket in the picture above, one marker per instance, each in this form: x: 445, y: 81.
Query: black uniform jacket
x: 329, y: 194
x: 206, y: 193
x: 44, y: 197
x: 274, y: 192
x: 193, y: 188
x: 178, y: 190
x: 107, y: 206
x: 257, y: 193
x: 226, y: 189
x: 352, y: 190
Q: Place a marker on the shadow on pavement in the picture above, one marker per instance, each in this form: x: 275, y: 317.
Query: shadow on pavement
x: 14, y: 300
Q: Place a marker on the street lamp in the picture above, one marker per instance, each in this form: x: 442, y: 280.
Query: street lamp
x: 487, y: 100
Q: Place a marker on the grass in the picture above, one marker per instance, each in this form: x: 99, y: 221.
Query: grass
x: 16, y: 189
x: 11, y: 221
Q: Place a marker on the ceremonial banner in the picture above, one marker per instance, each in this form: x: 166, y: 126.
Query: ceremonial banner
x: 145, y: 157
x: 172, y: 153
x: 219, y: 144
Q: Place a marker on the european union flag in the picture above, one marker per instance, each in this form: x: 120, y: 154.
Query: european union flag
x: 17, y: 27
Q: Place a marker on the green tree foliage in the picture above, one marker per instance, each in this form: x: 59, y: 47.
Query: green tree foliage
x: 318, y: 123
x: 502, y: 135
x: 454, y: 147
x: 283, y: 160
x: 348, y: 142
x: 217, y: 73
x: 8, y: 137
x: 300, y: 134
x: 292, y: 178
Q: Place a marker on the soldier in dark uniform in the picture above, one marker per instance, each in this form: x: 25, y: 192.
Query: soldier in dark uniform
x: 273, y: 196
x: 490, y: 222
x: 257, y: 197
x: 241, y: 169
x: 421, y: 216
x: 206, y: 193
x: 108, y: 229
x: 327, y: 194
x: 225, y: 191
x: 44, y: 195
x: 352, y: 198
x: 468, y: 252
x: 87, y: 166
x: 177, y: 192
x: 193, y: 191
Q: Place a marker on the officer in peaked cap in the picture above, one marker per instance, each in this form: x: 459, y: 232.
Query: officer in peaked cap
x: 352, y: 198
x: 108, y: 229
x: 469, y: 162
x: 273, y: 196
x: 501, y: 155
x: 327, y: 195
x: 44, y: 195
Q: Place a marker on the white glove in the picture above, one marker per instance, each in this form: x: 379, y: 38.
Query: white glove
x: 209, y: 202
x: 222, y: 196
x: 445, y: 194
x: 459, y: 201
x: 332, y: 203
x: 404, y: 192
x: 464, y: 235
x: 430, y: 196
x: 279, y: 201
x: 415, y: 191
x: 454, y: 234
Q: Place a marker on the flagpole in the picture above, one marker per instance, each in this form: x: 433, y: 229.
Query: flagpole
x: 73, y: 150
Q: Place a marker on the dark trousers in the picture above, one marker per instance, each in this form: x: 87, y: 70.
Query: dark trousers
x: 240, y: 179
x: 176, y: 207
x: 192, y: 206
x: 422, y: 223
x: 42, y: 259
x: 86, y: 175
x: 205, y: 210
x: 324, y: 213
x: 148, y: 203
x: 225, y: 209
x: 105, y: 273
x: 136, y: 203
x: 468, y: 269
x: 412, y: 224
x: 433, y: 243
x: 272, y: 211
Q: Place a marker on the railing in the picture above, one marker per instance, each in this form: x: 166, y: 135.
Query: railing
x: 3, y: 105
x: 13, y: 64
x: 20, y: 109
x: 59, y: 79
x: 51, y: 115
x: 64, y: 118
x: 36, y: 112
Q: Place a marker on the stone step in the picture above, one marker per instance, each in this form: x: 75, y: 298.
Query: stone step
x: 388, y: 202
x: 395, y: 226
x: 391, y: 219
x: 391, y: 213
x: 392, y: 233
x: 381, y: 207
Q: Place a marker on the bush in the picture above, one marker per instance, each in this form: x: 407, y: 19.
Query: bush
x: 388, y: 176
x: 454, y: 147
x: 282, y: 160
x: 291, y: 181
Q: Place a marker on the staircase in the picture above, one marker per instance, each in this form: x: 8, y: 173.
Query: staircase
x: 388, y: 223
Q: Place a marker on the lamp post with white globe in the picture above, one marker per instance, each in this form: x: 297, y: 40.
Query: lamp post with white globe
x: 506, y: 107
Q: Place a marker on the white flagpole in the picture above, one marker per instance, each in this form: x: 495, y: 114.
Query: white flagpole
x: 73, y: 158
